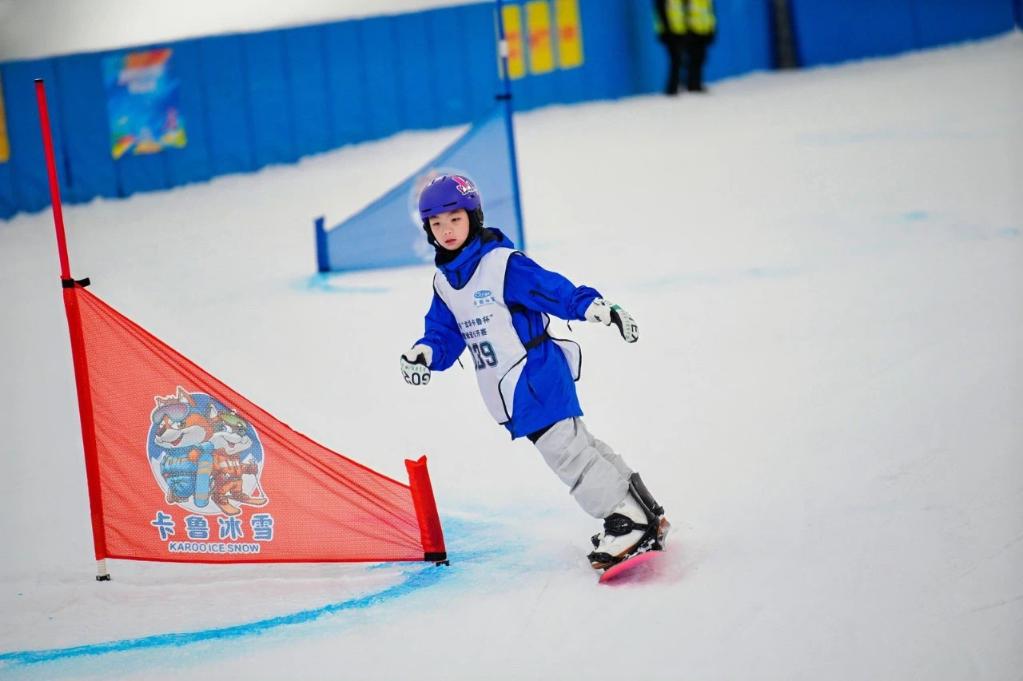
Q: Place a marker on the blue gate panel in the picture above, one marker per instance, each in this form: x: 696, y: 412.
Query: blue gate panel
x: 28, y: 162
x: 832, y: 31
x: 227, y: 106
x: 947, y: 21
x: 380, y: 66
x: 416, y: 69
x: 307, y: 80
x: 89, y: 164
x: 346, y: 88
x: 387, y: 234
x: 268, y: 90
x: 192, y: 162
x: 445, y: 31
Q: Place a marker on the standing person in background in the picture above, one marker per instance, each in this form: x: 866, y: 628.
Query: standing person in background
x: 686, y: 28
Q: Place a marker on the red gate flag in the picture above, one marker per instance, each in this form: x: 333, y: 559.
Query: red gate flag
x: 183, y: 468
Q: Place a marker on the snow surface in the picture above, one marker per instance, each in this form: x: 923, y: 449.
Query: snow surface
x: 827, y: 270
x: 42, y: 28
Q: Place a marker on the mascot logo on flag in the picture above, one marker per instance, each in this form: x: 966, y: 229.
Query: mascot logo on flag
x: 200, y: 451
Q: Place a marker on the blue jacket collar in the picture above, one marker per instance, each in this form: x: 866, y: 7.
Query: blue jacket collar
x: 460, y: 270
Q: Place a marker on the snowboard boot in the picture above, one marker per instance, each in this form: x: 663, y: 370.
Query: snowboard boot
x: 637, y: 524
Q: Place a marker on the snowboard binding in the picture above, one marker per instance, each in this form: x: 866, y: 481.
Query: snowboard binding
x: 654, y: 529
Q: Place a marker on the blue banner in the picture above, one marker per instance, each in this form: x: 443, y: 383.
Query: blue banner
x: 389, y: 233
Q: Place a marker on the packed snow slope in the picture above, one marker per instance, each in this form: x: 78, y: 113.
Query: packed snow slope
x: 827, y: 271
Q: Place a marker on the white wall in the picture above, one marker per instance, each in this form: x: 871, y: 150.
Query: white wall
x: 41, y: 28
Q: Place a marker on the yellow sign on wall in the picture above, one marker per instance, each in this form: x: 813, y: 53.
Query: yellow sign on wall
x: 512, y: 16
x: 5, y: 145
x: 535, y: 46
x: 538, y: 27
x: 570, y: 34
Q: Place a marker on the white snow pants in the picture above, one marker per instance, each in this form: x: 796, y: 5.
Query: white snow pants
x: 598, y: 478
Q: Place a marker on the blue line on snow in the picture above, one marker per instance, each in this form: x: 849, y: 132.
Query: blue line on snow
x: 419, y: 579
x: 327, y: 282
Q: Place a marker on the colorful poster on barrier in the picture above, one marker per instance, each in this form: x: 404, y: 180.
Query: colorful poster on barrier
x: 142, y: 103
x: 183, y: 468
x: 5, y: 144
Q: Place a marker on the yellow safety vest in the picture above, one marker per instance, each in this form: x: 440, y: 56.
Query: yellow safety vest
x: 686, y: 15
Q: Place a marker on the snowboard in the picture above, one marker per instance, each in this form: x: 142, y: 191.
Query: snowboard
x: 627, y: 570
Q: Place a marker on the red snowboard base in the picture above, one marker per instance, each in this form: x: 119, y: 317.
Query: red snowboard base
x: 631, y: 570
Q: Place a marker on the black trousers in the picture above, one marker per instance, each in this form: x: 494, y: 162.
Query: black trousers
x: 687, y: 51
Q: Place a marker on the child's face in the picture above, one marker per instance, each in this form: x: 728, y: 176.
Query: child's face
x: 450, y: 229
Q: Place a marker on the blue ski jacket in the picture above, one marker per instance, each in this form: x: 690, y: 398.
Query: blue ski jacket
x: 545, y: 393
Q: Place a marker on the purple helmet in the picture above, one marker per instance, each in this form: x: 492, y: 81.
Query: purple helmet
x: 448, y: 192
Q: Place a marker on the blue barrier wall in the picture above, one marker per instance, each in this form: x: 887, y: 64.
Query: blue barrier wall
x: 830, y: 31
x: 270, y: 97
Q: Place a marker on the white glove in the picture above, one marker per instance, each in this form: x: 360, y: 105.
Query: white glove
x: 607, y: 313
x: 415, y: 364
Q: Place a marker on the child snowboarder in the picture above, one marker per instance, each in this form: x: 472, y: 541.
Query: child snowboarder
x: 494, y: 300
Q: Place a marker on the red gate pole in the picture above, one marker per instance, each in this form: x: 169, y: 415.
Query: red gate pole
x: 78, y: 357
x: 51, y: 170
x: 431, y: 533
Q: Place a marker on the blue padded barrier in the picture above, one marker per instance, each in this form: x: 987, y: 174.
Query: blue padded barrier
x: 346, y: 88
x: 269, y: 106
x: 445, y: 31
x: 832, y: 31
x: 610, y: 62
x: 274, y: 96
x: 743, y: 41
x: 7, y: 205
x: 380, y: 68
x: 416, y: 79
x: 141, y: 173
x: 89, y: 166
x: 306, y: 64
x: 192, y: 163
x: 482, y: 78
x: 947, y: 21
x: 29, y: 182
x: 227, y: 116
